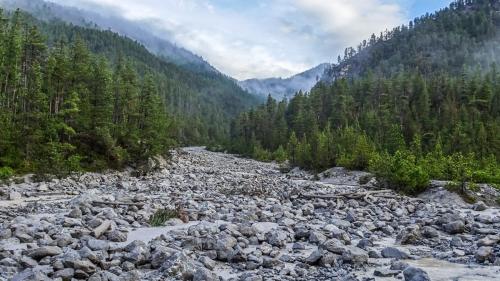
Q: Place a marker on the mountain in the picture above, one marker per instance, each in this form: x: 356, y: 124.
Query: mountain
x: 280, y: 88
x: 108, y: 19
x: 419, y: 102
x: 458, y: 38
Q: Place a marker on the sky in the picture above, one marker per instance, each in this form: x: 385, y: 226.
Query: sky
x: 267, y: 38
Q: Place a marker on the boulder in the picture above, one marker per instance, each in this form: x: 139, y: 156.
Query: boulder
x: 355, y: 255
x: 415, y: 274
x: 314, y: 257
x: 484, y: 253
x: 480, y: 206
x: 39, y: 253
x: 395, y: 253
x: 455, y: 227
x: 14, y: 195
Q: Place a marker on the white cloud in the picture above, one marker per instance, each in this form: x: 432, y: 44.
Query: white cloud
x: 262, y: 38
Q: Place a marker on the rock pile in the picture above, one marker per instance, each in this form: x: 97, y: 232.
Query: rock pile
x: 247, y: 221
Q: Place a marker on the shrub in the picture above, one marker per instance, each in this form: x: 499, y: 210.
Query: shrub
x: 161, y: 216
x: 401, y: 172
x: 280, y: 155
x: 6, y: 172
x: 260, y: 153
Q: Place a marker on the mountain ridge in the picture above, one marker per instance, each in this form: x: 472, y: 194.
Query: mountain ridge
x: 285, y: 88
x: 110, y: 20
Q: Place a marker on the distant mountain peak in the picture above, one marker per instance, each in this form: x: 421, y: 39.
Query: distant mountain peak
x: 285, y: 88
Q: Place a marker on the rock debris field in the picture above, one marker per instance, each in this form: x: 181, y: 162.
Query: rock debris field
x: 240, y: 219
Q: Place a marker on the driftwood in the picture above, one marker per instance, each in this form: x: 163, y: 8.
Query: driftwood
x: 350, y: 195
x: 40, y: 194
x: 117, y: 203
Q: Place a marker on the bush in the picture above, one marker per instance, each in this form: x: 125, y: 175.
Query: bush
x: 261, y: 154
x: 401, y: 172
x: 6, y: 172
x: 161, y: 216
x: 280, y: 155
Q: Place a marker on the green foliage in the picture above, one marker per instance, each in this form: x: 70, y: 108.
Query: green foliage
x: 6, y: 172
x: 280, y: 154
x: 261, y: 154
x: 356, y: 151
x: 401, y: 171
x: 162, y: 215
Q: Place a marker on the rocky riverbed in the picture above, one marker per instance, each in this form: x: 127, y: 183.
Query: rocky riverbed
x: 240, y: 219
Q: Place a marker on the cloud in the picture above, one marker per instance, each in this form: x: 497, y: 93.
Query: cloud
x: 260, y: 38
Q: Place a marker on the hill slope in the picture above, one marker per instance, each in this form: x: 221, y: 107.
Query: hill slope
x: 463, y: 36
x: 73, y: 97
x: 419, y: 102
x: 280, y: 88
x: 107, y: 19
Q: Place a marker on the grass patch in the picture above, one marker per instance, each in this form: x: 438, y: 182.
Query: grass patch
x: 162, y: 215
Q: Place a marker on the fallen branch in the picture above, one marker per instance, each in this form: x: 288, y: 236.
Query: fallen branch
x: 140, y: 205
x: 350, y: 195
x: 39, y: 194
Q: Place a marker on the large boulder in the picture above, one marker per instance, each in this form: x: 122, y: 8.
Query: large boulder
x: 415, y: 274
x: 395, y: 253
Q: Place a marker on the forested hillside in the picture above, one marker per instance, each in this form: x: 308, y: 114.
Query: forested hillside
x: 463, y: 36
x: 76, y: 98
x: 403, y: 107
x: 108, y: 19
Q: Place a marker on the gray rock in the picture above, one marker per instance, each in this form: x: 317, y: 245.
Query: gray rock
x: 224, y: 246
x: 395, y: 253
x: 277, y: 238
x: 117, y: 236
x: 334, y: 245
x: 489, y: 240
x: 39, y: 253
x: 455, y: 227
x: 65, y: 274
x: 207, y: 262
x: 355, y: 255
x: 75, y: 213
x: 415, y: 274
x: 480, y: 206
x: 484, y: 253
x: 26, y: 261
x: 430, y: 232
x: 97, y: 245
x: 316, y: 237
x: 384, y: 272
x: 23, y: 237
x: 14, y: 195
x: 84, y: 265
x: 5, y: 233
x: 399, y: 265
x: 203, y: 274
x: 314, y: 257
x: 38, y: 274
